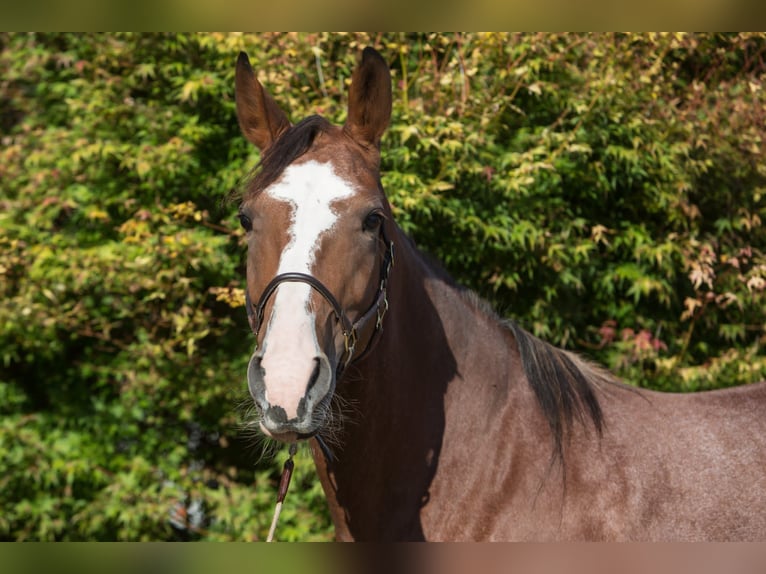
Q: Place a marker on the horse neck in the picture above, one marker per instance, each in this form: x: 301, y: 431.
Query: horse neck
x: 388, y: 449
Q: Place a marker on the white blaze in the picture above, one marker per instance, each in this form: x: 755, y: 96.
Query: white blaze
x: 290, y: 343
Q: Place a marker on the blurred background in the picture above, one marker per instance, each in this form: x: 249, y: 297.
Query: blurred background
x: 606, y: 191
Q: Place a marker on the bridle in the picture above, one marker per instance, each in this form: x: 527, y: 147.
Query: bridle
x: 351, y: 331
x: 351, y: 335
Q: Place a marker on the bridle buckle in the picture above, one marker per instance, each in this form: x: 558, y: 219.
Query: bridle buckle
x: 349, y: 342
x: 382, y: 313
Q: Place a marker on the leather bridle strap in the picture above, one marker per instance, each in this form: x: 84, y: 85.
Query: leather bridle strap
x: 295, y: 277
x: 350, y: 330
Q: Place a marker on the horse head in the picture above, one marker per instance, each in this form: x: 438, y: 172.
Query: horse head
x: 318, y: 253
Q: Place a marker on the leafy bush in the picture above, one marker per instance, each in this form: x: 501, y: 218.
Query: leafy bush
x: 607, y: 191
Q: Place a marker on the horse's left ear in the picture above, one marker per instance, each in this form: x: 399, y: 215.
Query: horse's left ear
x: 369, y: 100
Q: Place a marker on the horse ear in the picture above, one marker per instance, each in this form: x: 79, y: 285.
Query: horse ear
x: 260, y: 118
x: 369, y: 99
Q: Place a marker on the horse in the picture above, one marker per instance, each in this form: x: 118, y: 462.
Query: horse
x: 428, y: 416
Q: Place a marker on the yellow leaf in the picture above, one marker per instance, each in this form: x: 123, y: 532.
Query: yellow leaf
x: 189, y: 91
x: 97, y: 214
x: 142, y: 168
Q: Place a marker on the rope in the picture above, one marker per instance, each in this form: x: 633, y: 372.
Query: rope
x: 284, y: 483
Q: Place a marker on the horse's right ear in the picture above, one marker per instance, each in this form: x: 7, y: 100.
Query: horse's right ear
x: 260, y: 118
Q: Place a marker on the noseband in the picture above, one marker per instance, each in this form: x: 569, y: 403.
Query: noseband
x: 350, y: 330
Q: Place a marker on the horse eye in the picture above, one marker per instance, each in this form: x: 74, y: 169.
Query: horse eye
x: 372, y: 221
x: 245, y: 222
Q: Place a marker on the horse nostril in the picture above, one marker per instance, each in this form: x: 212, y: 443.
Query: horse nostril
x: 320, y: 382
x: 255, y: 380
x: 314, y: 375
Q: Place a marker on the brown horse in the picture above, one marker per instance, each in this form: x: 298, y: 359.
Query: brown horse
x: 430, y: 418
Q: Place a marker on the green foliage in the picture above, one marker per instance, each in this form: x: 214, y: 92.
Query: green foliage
x: 607, y: 191
x: 121, y: 323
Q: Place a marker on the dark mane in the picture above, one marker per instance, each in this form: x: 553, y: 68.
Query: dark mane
x: 292, y: 144
x: 562, y: 382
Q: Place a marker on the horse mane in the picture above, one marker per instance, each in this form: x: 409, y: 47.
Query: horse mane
x: 563, y: 383
x: 292, y: 144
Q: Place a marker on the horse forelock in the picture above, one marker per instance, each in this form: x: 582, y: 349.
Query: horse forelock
x: 291, y: 145
x: 314, y: 138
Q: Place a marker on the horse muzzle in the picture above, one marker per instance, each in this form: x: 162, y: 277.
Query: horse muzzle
x: 289, y: 414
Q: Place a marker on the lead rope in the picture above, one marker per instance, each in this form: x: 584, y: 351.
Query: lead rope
x: 284, y: 484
